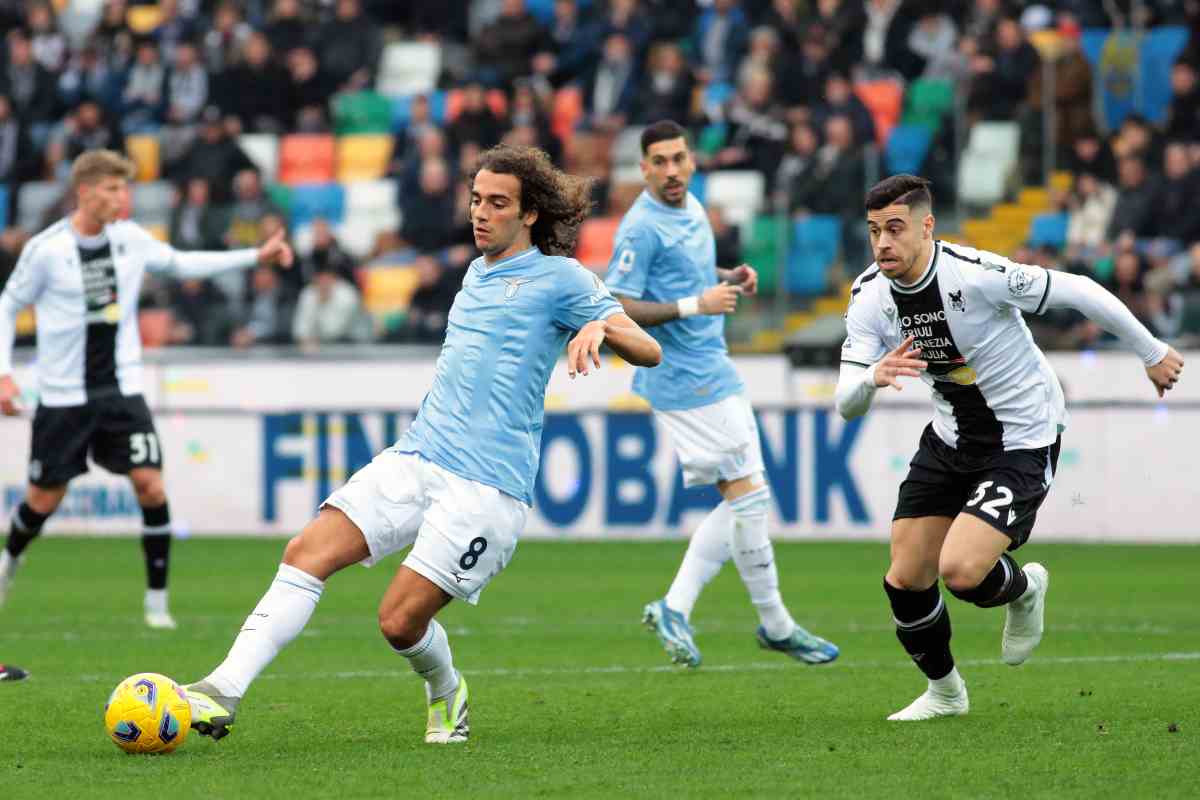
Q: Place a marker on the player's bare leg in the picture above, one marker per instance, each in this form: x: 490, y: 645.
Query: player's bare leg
x: 754, y: 555
x: 976, y: 567
x: 406, y: 620
x: 156, y: 543
x: 327, y: 544
x: 922, y: 619
x: 27, y: 522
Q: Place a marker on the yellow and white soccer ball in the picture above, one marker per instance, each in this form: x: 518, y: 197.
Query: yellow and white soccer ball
x: 148, y: 713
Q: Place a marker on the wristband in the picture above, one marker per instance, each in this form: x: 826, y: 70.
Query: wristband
x: 688, y: 307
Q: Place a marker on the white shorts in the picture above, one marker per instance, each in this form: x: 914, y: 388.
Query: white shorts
x: 462, y: 532
x: 717, y: 442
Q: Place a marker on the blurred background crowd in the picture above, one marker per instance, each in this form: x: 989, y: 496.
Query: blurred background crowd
x: 351, y: 124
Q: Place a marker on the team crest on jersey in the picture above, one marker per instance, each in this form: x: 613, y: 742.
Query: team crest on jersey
x: 513, y: 285
x: 1019, y: 282
x: 957, y: 302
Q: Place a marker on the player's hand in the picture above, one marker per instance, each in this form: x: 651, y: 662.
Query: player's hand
x: 585, y: 347
x: 901, y: 361
x: 746, y: 277
x: 720, y: 299
x: 1165, y: 373
x: 9, y: 396
x: 275, y: 251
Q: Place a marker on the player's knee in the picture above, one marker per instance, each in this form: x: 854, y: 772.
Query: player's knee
x: 962, y: 574
x: 907, y: 580
x: 400, y: 627
x: 148, y: 486
x: 295, y: 552
x: 45, y: 501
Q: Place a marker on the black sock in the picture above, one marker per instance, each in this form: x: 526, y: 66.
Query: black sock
x: 156, y: 544
x: 26, y: 525
x: 1005, y: 583
x: 923, y: 627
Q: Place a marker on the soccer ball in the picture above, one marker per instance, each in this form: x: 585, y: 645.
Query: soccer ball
x: 148, y: 713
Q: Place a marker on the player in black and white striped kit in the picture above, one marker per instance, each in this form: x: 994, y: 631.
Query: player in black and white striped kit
x: 83, y: 275
x: 951, y: 315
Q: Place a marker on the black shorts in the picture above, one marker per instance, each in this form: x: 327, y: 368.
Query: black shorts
x: 117, y: 430
x: 1004, y: 489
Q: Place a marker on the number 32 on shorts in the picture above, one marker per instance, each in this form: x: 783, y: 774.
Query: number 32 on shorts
x: 1004, y: 497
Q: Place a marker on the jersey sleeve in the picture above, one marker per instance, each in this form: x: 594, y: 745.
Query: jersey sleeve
x: 157, y: 256
x: 630, y: 264
x: 864, y: 345
x: 1009, y: 283
x: 28, y: 279
x: 583, y: 298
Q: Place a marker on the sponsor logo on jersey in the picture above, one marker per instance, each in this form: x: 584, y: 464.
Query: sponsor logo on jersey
x: 923, y: 318
x: 963, y: 376
x: 957, y: 302
x: 1020, y: 280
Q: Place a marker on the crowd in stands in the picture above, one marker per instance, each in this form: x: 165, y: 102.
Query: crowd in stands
x: 778, y: 90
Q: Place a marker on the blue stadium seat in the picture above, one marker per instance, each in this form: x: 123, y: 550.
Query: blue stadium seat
x: 814, y: 248
x: 698, y: 185
x: 318, y: 200
x: 402, y: 108
x: 542, y: 10
x: 1048, y: 230
x: 717, y: 93
x: 3, y: 206
x: 906, y: 148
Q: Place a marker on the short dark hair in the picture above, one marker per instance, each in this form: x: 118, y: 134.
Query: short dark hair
x: 662, y: 131
x: 903, y: 189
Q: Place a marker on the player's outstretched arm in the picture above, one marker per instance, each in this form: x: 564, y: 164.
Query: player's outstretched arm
x: 623, y: 335
x: 857, y: 385
x: 719, y: 299
x: 1163, y: 364
x: 200, y: 264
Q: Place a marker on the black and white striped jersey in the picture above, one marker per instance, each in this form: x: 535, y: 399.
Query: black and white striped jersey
x: 992, y: 387
x: 85, y: 293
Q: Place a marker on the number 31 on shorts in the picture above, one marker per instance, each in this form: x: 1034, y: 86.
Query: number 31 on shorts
x: 143, y: 448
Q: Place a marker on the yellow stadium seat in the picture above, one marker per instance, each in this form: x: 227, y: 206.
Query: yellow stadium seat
x: 26, y: 323
x: 158, y: 232
x: 363, y: 157
x: 143, y: 19
x: 388, y: 288
x: 144, y: 151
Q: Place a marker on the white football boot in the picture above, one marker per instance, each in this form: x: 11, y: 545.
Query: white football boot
x: 1026, y: 618
x: 935, y: 703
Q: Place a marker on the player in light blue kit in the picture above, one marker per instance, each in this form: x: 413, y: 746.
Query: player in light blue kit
x: 458, y: 485
x: 665, y: 275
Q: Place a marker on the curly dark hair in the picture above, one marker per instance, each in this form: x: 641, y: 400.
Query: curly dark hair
x: 561, y: 200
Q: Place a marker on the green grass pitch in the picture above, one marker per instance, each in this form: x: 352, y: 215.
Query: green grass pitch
x: 572, y: 698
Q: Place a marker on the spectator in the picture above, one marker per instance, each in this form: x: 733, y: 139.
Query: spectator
x: 1175, y: 207
x: 757, y: 135
x: 1091, y: 210
x: 47, y: 41
x: 624, y: 17
x: 840, y: 101
x: 1183, y: 120
x: 796, y: 162
x: 789, y: 22
x: 408, y: 139
x: 763, y: 53
x: 587, y: 157
x: 1134, y: 212
x: 425, y: 319
x: 143, y: 99
x: 1072, y: 90
x: 504, y: 49
x: 326, y: 255
x: 726, y: 237
x: 287, y: 29
x: 200, y: 314
x: 112, y: 35
x: 250, y: 206
x: 329, y: 312
x: 172, y: 29
x: 476, y: 121
x: 18, y: 159
x: 214, y: 156
x: 526, y: 112
x: 12, y: 240
x: 225, y: 40
x: 1090, y: 153
x: 572, y: 46
x: 720, y: 40
x: 431, y: 147
x: 807, y: 75
x: 29, y: 86
x: 1001, y: 82
x: 885, y: 38
x: 934, y: 40
x: 833, y: 185
x: 429, y: 222
x: 256, y: 91
x: 195, y: 223
x: 187, y: 86
x: 350, y: 47
x: 610, y: 94
x: 88, y: 128
x: 267, y: 317
x: 309, y: 91
x: 667, y: 89
x: 88, y: 76
x: 1135, y: 137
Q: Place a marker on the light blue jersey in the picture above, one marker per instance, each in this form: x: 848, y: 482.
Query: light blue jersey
x: 664, y: 254
x: 482, y: 420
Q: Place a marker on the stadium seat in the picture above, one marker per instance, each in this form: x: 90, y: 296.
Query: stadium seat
x: 988, y: 161
x: 311, y: 201
x: 34, y: 200
x: 928, y: 102
x: 280, y: 196
x: 409, y: 68
x: 307, y: 158
x: 143, y: 149
x: 152, y: 202
x: 263, y: 150
x: 699, y: 185
x: 627, y: 148
x: 906, y: 148
x: 371, y: 197
x: 3, y: 206
x: 566, y: 112
x: 814, y: 248
x: 357, y: 235
x: 739, y: 193
x: 543, y: 10
x: 1048, y: 230
x: 388, y: 289
x: 160, y: 232
x: 762, y: 251
x: 143, y: 19
x: 595, y: 247
x: 883, y: 98
x: 712, y: 137
x: 361, y: 112
x: 363, y: 157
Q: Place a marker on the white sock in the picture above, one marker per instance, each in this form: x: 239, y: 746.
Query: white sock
x: 707, y: 552
x: 8, y: 564
x: 755, y: 559
x: 277, y: 619
x: 430, y: 658
x: 949, y: 684
x: 156, y: 601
